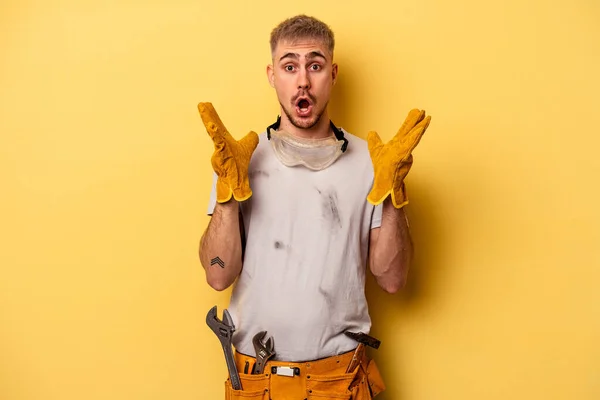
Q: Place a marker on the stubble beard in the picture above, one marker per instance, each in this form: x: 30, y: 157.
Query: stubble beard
x: 300, y: 123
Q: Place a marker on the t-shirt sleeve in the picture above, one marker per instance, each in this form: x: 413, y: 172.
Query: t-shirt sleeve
x: 212, y: 200
x: 376, y: 216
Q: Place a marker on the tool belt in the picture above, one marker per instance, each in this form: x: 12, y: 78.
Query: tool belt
x: 348, y: 376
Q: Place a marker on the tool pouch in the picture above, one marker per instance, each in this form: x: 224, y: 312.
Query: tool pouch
x: 325, y: 387
x: 373, y: 381
x: 254, y: 387
x: 364, y: 383
x: 368, y: 382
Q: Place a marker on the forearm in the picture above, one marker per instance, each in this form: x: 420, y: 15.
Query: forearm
x: 392, y: 250
x: 221, y: 246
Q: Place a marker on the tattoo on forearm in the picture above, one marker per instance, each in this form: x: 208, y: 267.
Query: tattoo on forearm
x: 217, y: 260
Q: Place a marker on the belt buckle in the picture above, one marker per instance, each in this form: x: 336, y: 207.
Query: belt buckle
x: 285, y: 371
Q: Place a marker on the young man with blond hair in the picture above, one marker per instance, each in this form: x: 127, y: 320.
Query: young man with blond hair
x: 298, y: 212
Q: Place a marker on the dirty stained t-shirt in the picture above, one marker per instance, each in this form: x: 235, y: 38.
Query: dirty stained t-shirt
x: 307, y: 235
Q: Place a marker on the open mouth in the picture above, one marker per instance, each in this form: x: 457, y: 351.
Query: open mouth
x: 303, y: 106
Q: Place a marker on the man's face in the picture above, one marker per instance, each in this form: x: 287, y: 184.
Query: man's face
x: 303, y: 75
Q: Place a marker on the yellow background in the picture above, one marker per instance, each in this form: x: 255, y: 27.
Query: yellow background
x: 105, y: 176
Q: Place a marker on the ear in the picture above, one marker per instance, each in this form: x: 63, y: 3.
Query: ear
x: 271, y: 75
x: 334, y: 73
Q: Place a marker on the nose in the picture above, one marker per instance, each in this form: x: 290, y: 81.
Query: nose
x: 303, y: 81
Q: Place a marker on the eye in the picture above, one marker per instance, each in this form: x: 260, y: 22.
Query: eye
x: 315, y: 67
x: 289, y: 68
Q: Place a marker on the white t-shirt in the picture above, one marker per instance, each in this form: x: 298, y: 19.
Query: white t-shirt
x: 307, y: 237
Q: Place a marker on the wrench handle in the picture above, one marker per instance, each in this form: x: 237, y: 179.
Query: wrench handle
x: 261, y: 362
x: 236, y: 384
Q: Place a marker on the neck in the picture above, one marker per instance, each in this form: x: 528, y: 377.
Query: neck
x: 320, y: 130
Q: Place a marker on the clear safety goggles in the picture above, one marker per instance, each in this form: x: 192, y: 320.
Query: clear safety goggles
x: 314, y: 154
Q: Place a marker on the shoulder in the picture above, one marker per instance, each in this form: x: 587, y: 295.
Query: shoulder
x: 262, y: 151
x: 357, y: 146
x: 262, y: 140
x: 355, y: 140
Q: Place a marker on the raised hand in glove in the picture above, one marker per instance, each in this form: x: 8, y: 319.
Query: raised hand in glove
x: 231, y: 157
x: 392, y: 161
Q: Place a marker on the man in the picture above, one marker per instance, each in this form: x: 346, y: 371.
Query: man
x: 297, y: 214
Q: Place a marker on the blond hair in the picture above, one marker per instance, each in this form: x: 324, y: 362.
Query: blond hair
x: 302, y: 27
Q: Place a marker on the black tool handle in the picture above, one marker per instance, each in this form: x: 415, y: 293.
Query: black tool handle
x: 363, y: 338
x: 233, y: 373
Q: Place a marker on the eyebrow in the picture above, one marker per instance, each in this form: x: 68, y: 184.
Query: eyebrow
x: 312, y: 54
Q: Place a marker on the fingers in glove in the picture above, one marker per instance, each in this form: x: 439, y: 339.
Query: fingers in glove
x: 414, y: 136
x: 250, y: 141
x: 213, y: 123
x: 374, y: 142
x: 413, y: 118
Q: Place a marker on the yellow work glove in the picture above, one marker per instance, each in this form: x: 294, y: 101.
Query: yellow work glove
x: 231, y: 158
x: 393, y: 160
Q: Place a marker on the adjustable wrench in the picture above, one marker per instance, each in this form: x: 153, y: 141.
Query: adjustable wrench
x: 264, y: 351
x: 224, y: 329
